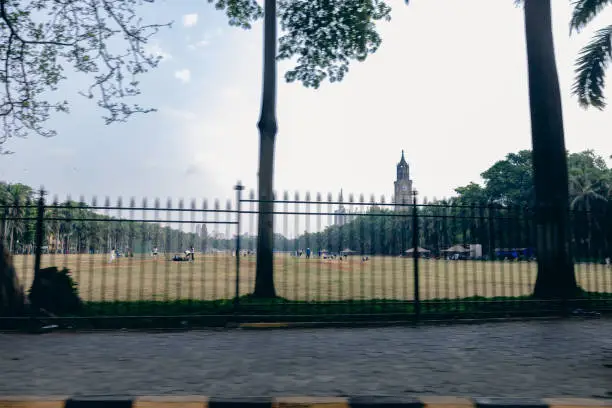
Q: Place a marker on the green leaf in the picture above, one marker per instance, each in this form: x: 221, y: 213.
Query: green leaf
x: 590, y: 70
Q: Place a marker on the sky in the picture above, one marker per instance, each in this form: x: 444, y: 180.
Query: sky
x: 448, y: 86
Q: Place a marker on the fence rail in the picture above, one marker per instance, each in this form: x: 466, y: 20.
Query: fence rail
x: 332, y: 259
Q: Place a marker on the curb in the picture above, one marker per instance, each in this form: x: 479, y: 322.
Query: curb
x: 383, y: 323
x: 267, y: 325
x: 294, y: 402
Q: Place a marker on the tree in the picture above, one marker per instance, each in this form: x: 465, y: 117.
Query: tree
x: 473, y: 194
x: 588, y: 174
x: 587, y: 177
x: 40, y: 37
x: 325, y: 35
x: 264, y: 275
x: 16, y: 197
x: 555, y: 277
x: 594, y: 57
x: 12, y: 297
x: 584, y: 192
x: 510, y: 181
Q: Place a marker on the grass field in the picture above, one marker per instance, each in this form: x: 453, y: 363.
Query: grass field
x: 212, y: 277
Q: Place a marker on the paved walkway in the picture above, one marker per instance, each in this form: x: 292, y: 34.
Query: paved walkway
x: 529, y: 359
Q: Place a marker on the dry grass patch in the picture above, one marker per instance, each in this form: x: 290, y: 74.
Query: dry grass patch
x: 213, y: 277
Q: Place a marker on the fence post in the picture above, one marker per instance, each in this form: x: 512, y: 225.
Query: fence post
x: 415, y: 256
x: 491, y: 232
x: 239, y: 187
x: 39, y: 234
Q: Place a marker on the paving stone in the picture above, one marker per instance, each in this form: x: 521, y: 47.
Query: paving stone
x: 568, y: 358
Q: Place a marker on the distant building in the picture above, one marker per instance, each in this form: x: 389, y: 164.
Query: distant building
x: 217, y: 235
x: 402, y: 184
x: 201, y: 231
x: 340, y: 215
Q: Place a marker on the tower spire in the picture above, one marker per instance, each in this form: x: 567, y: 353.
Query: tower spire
x: 403, y: 161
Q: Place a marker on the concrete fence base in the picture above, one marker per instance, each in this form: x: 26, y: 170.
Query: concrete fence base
x: 292, y: 402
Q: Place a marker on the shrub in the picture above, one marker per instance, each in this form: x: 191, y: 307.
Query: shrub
x: 55, y: 291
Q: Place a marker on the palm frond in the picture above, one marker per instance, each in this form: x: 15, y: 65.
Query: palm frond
x: 590, y: 70
x: 597, y: 196
x: 574, y: 203
x: 585, y: 11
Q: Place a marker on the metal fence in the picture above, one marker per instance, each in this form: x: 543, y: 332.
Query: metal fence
x: 334, y: 259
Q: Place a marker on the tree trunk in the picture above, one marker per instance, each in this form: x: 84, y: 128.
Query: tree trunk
x: 556, y: 277
x: 264, y: 275
x: 6, y: 228
x: 12, y: 297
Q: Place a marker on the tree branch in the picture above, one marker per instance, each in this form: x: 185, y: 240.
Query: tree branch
x: 38, y: 38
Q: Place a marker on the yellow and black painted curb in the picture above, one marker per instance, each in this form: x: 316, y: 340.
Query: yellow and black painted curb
x: 294, y: 402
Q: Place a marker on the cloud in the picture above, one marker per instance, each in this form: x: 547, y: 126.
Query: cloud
x: 206, y: 39
x: 199, y: 44
x: 192, y: 170
x: 157, y: 51
x: 234, y: 95
x: 183, y: 115
x: 62, y: 152
x: 190, y: 20
x: 184, y: 75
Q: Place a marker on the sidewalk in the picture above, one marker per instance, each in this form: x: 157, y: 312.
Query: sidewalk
x: 514, y: 359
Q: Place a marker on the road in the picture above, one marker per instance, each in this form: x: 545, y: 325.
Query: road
x: 526, y: 359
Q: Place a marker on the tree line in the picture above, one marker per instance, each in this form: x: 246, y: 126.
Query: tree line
x: 73, y: 227
x: 497, y: 214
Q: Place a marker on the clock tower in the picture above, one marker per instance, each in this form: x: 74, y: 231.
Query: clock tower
x: 403, y: 184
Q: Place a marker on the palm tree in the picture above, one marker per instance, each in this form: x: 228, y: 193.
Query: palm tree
x: 585, y: 190
x: 555, y: 277
x: 594, y: 57
x: 17, y: 196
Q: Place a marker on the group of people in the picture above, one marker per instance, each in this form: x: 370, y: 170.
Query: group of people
x: 300, y: 252
x: 326, y: 255
x: 114, y: 254
x: 189, y: 256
